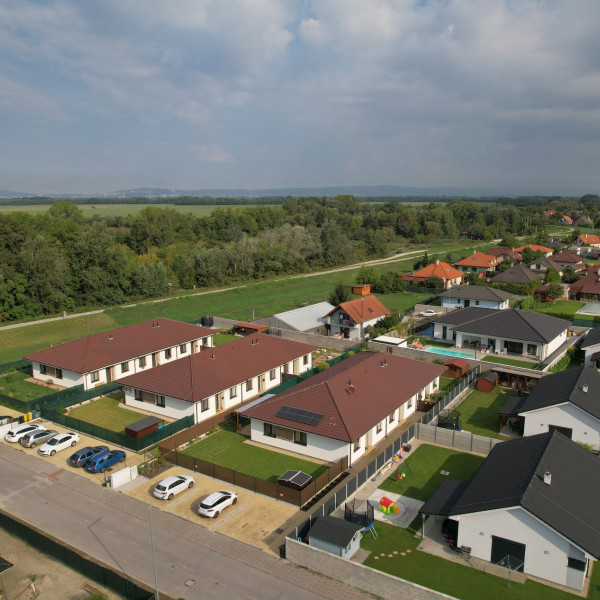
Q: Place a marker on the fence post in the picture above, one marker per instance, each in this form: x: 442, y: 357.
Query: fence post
x: 471, y: 442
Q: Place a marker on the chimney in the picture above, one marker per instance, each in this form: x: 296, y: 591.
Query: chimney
x: 437, y: 261
x: 585, y: 388
x: 110, y: 337
x: 213, y: 356
x: 547, y: 478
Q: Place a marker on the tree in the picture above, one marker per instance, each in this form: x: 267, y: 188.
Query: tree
x: 434, y: 281
x: 552, y: 276
x: 529, y: 255
x: 569, y: 275
x: 554, y: 291
x: 473, y: 278
x: 340, y: 294
x: 423, y: 262
x: 366, y: 274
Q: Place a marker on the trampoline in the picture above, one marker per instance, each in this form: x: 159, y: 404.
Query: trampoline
x: 362, y: 513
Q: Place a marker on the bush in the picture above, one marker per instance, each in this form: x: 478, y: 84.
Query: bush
x: 439, y: 361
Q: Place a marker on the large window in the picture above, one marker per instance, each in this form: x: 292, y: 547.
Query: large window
x: 300, y: 437
x: 139, y: 395
x: 95, y: 376
x: 42, y: 369
x: 574, y: 563
x: 160, y: 400
x: 269, y: 430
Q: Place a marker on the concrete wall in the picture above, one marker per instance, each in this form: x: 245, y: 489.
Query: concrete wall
x: 461, y: 440
x: 375, y: 582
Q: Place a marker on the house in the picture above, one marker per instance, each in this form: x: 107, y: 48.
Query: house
x: 511, y: 331
x: 567, y: 401
x: 587, y: 239
x: 464, y: 296
x: 203, y: 385
x: 543, y: 264
x: 479, y: 263
x: 505, y: 254
x: 346, y: 409
x: 565, y: 220
x: 337, y: 536
x: 549, y: 213
x: 350, y: 319
x: 568, y: 259
x: 448, y: 274
x: 586, y: 289
x: 519, y: 274
x: 541, y: 293
x: 591, y: 346
x: 536, y: 248
x: 307, y: 319
x: 103, y: 357
x: 533, y: 503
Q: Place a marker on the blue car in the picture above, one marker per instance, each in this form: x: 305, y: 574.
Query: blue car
x: 104, y: 460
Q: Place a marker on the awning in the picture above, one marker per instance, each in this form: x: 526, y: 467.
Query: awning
x: 444, y: 498
x: 512, y: 406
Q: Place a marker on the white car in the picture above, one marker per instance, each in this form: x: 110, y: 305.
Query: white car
x: 428, y: 313
x: 58, y: 442
x: 171, y: 486
x: 214, y: 503
x: 15, y: 435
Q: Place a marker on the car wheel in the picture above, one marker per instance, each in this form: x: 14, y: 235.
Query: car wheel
x: 122, y: 459
x: 53, y: 453
x: 234, y: 501
x: 170, y: 497
x: 216, y: 515
x: 191, y: 484
x: 73, y: 444
x: 32, y: 446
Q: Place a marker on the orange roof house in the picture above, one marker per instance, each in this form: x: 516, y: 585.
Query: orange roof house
x: 447, y: 273
x: 566, y: 220
x: 588, y: 239
x: 478, y: 262
x: 349, y: 319
x: 536, y: 248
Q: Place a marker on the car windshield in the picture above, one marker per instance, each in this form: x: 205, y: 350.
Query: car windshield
x: 53, y: 442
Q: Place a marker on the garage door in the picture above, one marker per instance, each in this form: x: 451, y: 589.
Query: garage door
x: 507, y: 553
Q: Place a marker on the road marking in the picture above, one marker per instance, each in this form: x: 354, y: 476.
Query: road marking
x: 16, y: 492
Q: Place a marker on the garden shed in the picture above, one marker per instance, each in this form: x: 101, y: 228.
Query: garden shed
x: 248, y: 328
x: 456, y: 368
x: 336, y: 536
x: 486, y: 382
x: 143, y: 427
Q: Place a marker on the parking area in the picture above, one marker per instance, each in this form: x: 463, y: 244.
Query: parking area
x: 254, y: 520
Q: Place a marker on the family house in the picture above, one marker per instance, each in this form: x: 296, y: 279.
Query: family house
x: 448, y: 274
x: 345, y: 409
x: 587, y: 239
x: 542, y: 265
x: 479, y: 263
x: 568, y: 259
x: 464, y: 296
x: 565, y: 220
x: 536, y: 248
x: 208, y: 383
x: 519, y: 274
x: 586, y: 289
x: 511, y: 331
x: 350, y: 319
x: 103, y: 357
x: 532, y: 504
x: 505, y: 254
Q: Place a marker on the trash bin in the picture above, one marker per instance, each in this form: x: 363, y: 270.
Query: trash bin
x: 21, y: 419
x: 34, y: 414
x: 406, y: 447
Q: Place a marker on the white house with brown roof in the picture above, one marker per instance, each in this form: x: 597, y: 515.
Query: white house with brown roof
x: 103, y: 357
x: 350, y: 319
x: 208, y: 383
x: 345, y: 409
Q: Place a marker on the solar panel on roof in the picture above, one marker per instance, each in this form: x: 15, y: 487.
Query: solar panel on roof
x: 299, y: 415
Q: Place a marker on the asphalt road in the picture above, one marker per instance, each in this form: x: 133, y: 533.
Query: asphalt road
x: 115, y: 529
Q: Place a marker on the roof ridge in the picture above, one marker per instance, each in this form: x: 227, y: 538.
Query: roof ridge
x: 85, y: 351
x: 339, y: 414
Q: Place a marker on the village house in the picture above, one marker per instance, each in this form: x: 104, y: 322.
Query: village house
x: 464, y: 296
x: 448, y: 274
x: 547, y: 252
x: 480, y: 263
x: 350, y: 319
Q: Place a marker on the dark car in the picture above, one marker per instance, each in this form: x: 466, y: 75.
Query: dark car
x: 79, y: 458
x: 104, y: 460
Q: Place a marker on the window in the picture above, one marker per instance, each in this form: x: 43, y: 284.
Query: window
x: 42, y: 369
x: 168, y: 353
x: 183, y: 348
x: 233, y: 392
x: 574, y: 563
x: 95, y: 376
x: 139, y: 395
x: 248, y: 385
x: 300, y: 437
x: 58, y: 373
x: 409, y: 403
x: 272, y: 374
x: 476, y: 302
x: 204, y: 405
x: 269, y: 430
x: 305, y: 359
x: 379, y: 427
x: 142, y: 362
x: 125, y: 367
x: 392, y: 417
x: 160, y: 400
x: 357, y: 445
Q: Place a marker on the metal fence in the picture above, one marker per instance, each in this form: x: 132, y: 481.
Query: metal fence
x: 117, y: 582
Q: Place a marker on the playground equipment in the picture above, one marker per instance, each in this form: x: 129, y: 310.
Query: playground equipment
x: 387, y: 506
x: 361, y: 512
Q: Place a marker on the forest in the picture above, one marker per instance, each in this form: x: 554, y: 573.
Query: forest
x: 58, y: 260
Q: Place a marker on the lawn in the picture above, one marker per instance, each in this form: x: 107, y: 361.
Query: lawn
x: 223, y: 338
x: 227, y: 448
x: 510, y: 361
x: 14, y: 385
x: 106, y: 412
x: 479, y: 412
x: 446, y: 382
x: 423, y: 471
x: 569, y: 307
x: 448, y: 577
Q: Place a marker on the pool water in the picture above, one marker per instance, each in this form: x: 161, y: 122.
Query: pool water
x: 436, y: 350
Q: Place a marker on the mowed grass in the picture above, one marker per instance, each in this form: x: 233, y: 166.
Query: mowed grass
x: 479, y: 412
x: 106, y: 412
x: 14, y: 385
x: 513, y: 362
x: 227, y: 448
x: 422, y: 471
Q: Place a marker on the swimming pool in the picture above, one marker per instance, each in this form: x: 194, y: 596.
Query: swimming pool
x: 436, y: 350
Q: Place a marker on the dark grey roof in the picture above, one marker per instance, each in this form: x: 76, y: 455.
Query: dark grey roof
x: 523, y: 325
x: 476, y: 292
x: 489, y: 377
x: 546, y: 262
x: 335, y: 531
x: 516, y: 274
x: 444, y: 498
x: 512, y: 406
x: 567, y: 386
x: 592, y: 338
x: 143, y: 423
x: 513, y: 475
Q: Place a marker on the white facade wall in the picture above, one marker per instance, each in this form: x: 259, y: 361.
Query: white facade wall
x: 586, y: 429
x: 456, y: 302
x: 546, y: 551
x: 556, y: 343
x: 355, y: 331
x: 173, y: 409
x: 68, y: 379
x: 588, y: 354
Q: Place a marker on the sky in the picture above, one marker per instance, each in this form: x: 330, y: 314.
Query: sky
x: 103, y: 95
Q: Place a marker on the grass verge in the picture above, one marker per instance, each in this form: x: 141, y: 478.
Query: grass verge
x: 479, y: 412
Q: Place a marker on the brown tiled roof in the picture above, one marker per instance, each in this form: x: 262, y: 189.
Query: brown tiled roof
x: 118, y: 345
x: 566, y: 257
x: 590, y: 284
x: 478, y: 259
x: 438, y: 269
x: 498, y: 252
x: 589, y: 238
x: 363, y: 309
x: 349, y: 411
x: 461, y: 363
x: 535, y: 248
x: 216, y: 369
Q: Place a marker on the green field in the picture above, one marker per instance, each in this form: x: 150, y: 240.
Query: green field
x: 106, y: 413
x: 479, y: 412
x: 227, y: 448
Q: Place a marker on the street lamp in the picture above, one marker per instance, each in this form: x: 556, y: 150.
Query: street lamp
x: 170, y: 289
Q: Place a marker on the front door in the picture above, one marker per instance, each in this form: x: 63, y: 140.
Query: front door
x: 467, y: 303
x: 507, y: 553
x: 108, y: 375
